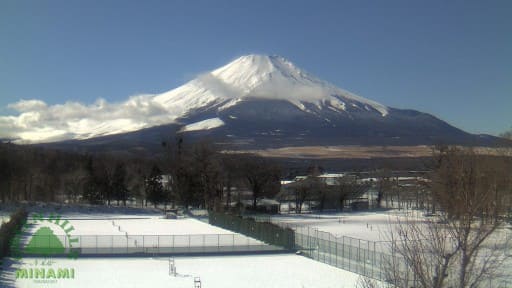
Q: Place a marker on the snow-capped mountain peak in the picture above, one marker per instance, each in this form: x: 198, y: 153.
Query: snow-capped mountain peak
x: 236, y: 84
x: 248, y: 72
x: 263, y: 77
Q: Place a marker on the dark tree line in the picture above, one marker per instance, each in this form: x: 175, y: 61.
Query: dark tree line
x: 327, y: 196
x: 202, y: 176
x: 457, y: 246
x: 37, y: 174
x: 189, y: 175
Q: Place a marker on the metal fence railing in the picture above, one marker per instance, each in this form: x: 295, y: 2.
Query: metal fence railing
x: 264, y: 231
x: 356, y: 255
x: 372, y: 259
x: 143, y: 244
x: 364, y: 257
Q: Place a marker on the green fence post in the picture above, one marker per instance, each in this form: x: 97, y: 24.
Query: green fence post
x: 359, y: 253
x: 349, y: 255
x: 373, y: 259
x: 343, y: 251
x: 330, y: 252
x: 336, y: 252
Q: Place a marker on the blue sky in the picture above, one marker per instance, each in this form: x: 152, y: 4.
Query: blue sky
x: 452, y: 59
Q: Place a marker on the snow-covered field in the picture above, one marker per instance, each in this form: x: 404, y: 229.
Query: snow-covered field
x: 214, y: 272
x: 373, y: 226
x: 140, y: 234
x: 358, y: 231
x: 137, y: 225
x: 91, y: 211
x: 283, y: 270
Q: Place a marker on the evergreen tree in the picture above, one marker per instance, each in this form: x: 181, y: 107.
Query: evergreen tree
x: 91, y: 191
x: 154, y: 188
x: 119, y: 189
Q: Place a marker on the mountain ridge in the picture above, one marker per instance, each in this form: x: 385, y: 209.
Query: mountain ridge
x: 259, y: 101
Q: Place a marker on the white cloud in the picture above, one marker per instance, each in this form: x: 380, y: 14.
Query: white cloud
x: 27, y: 105
x: 39, y: 122
x: 219, y: 87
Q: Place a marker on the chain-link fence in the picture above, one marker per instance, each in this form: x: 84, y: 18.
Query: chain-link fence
x: 267, y: 232
x: 351, y: 254
x: 40, y: 245
x: 372, y: 259
x: 360, y: 256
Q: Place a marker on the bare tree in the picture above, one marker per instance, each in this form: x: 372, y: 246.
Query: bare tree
x: 302, y: 191
x: 455, y: 248
x: 261, y: 175
x: 346, y: 187
x: 384, y: 185
x: 208, y: 168
x: 73, y: 184
x: 232, y: 176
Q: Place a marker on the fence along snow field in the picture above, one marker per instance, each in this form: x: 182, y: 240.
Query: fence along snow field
x: 365, y: 257
x: 149, y: 244
x: 355, y: 255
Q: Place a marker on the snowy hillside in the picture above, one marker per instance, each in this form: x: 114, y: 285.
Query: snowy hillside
x: 248, y: 77
x: 261, y: 77
x: 255, y: 101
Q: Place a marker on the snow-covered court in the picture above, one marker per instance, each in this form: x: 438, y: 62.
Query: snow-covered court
x: 371, y: 226
x: 109, y: 235
x: 140, y: 250
x: 213, y: 272
x: 137, y: 234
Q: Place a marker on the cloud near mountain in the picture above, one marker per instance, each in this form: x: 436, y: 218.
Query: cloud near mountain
x: 256, y: 99
x: 39, y: 122
x: 251, y: 76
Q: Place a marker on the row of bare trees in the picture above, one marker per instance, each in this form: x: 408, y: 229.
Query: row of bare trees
x: 463, y: 244
x: 38, y: 174
x: 189, y: 175
x: 314, y: 188
x: 202, y: 176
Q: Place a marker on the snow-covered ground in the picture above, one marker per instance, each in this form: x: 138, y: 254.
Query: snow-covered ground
x: 359, y: 234
x: 91, y: 211
x: 214, y: 272
x: 203, y: 125
x: 373, y: 226
x: 154, y: 226
x: 142, y: 234
x: 365, y: 226
x: 370, y: 226
x: 138, y: 226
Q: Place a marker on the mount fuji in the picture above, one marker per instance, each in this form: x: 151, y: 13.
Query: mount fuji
x: 259, y: 101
